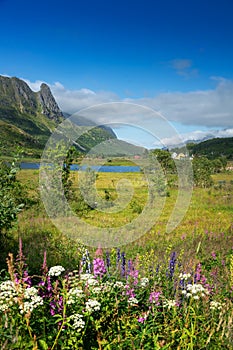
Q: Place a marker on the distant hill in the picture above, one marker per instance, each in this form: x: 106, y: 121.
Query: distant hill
x: 28, y: 118
x: 213, y: 148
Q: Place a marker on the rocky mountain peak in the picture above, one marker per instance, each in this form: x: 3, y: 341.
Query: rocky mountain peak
x: 48, y: 103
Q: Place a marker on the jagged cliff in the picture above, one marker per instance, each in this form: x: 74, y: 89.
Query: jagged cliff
x: 27, y: 119
x: 15, y: 93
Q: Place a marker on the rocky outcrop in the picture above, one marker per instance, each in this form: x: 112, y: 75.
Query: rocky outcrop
x: 48, y: 104
x: 15, y: 93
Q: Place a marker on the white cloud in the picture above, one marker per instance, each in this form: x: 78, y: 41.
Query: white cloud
x: 184, y: 67
x: 207, y: 109
x: 196, y: 136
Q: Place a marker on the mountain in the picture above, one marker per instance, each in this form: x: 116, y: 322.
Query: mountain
x: 213, y: 148
x: 28, y: 118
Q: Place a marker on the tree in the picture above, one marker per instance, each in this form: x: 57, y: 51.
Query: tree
x: 165, y: 160
x: 11, y: 196
x: 202, y: 172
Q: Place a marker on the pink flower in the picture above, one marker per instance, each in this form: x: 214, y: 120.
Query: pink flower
x: 154, y: 297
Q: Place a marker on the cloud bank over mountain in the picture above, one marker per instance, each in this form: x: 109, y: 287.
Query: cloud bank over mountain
x: 211, y: 111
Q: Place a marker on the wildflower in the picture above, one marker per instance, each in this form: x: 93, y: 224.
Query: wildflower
x: 195, y: 290
x: 141, y: 319
x: 119, y: 284
x: 215, y: 305
x: 92, y: 305
x: 56, y: 270
x: 197, y: 275
x: 144, y: 282
x: 86, y: 262
x: 8, y: 295
x: 86, y: 276
x: 184, y: 276
x: 123, y: 264
x: 108, y: 263
x: 96, y: 290
x: 172, y: 264
x: 154, y: 297
x: 118, y: 255
x: 98, y: 267
x: 169, y: 304
x: 129, y: 291
x: 74, y: 294
x: 31, y: 300
x: 78, y: 322
x: 213, y: 254
x: 132, y: 301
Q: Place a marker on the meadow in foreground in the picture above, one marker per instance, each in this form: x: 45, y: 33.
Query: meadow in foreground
x: 161, y: 292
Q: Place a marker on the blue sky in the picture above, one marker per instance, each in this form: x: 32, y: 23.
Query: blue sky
x: 173, y: 56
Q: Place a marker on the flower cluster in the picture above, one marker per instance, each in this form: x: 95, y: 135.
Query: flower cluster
x: 56, y: 270
x: 184, y: 276
x: 215, y: 305
x: 154, y: 297
x: 195, y: 291
x: 99, y: 267
x: 132, y: 301
x: 144, y: 282
x: 89, y: 279
x: 8, y: 295
x: 169, y: 304
x: 78, y: 322
x: 31, y: 300
x: 73, y: 295
x: 92, y: 305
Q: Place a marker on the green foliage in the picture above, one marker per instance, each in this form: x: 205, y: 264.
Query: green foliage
x: 12, y: 198
x: 214, y: 148
x: 165, y: 160
x: 202, y: 169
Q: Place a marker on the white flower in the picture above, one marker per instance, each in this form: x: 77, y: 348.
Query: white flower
x: 195, y: 290
x: 184, y: 276
x: 73, y: 295
x: 132, y: 301
x: 92, y: 282
x: 169, y: 303
x: 119, y: 284
x: 215, y: 305
x: 96, y: 290
x: 78, y: 322
x: 56, y: 270
x: 144, y: 281
x: 8, y: 295
x: 92, y: 305
x: 86, y: 276
x: 31, y: 300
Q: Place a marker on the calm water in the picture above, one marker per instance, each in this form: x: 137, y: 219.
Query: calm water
x: 103, y: 168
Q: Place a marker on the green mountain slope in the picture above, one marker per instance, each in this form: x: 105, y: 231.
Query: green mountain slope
x: 213, y: 148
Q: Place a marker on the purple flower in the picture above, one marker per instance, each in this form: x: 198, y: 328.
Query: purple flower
x: 154, y: 297
x: 98, y: 267
x: 118, y: 255
x: 141, y: 319
x: 197, y: 275
x: 108, y: 263
x: 213, y: 254
x: 123, y: 264
x: 172, y: 264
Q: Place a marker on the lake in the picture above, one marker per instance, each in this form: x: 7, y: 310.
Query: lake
x: 103, y: 168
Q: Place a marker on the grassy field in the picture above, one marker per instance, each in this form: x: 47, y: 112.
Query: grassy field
x: 209, y: 210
